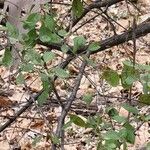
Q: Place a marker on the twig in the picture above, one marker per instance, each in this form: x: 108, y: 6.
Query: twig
x: 23, y: 109
x: 30, y: 102
x: 106, y: 3
x: 59, y: 130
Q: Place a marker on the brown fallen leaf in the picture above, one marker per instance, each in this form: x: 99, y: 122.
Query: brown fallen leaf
x: 5, y: 102
x: 73, y: 70
x: 37, y: 125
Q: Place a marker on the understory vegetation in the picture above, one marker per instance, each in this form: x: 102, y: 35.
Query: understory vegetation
x: 75, y: 75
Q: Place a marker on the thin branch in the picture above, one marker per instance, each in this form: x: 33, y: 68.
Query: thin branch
x: 106, y: 3
x: 30, y: 101
x: 59, y: 130
x: 23, y: 109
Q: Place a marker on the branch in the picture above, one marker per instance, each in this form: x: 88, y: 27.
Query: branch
x: 141, y: 30
x: 23, y: 109
x: 105, y: 3
x: 59, y: 130
x: 31, y: 99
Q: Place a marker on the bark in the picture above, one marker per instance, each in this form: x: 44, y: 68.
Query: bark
x: 141, y: 30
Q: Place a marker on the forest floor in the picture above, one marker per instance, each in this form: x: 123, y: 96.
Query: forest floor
x: 30, y: 129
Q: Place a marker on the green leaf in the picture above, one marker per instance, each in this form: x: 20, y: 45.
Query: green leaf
x: 49, y: 22
x: 62, y: 33
x: 94, y: 46
x: 94, y: 121
x: 123, y: 133
x: 111, y: 135
x: 148, y: 146
x: 110, y: 144
x: 145, y: 99
x: 145, y: 80
x: 20, y: 79
x: 77, y: 120
x: 79, y: 42
x: 33, y: 56
x: 129, y: 74
x: 7, y: 59
x: 43, y: 98
x: 47, y: 83
x: 140, y: 67
x: 13, y: 33
x: 120, y: 119
x: 64, y: 48
x: 111, y: 77
x: 55, y: 38
x: 31, y: 21
x: 130, y: 133
x: 147, y: 118
x: 48, y: 56
x: 77, y: 8
x: 130, y: 108
x: 45, y: 34
x: 36, y: 140
x: 111, y: 111
x: 30, y: 38
x: 27, y: 67
x: 12, y: 30
x: 87, y: 98
x: 61, y: 72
